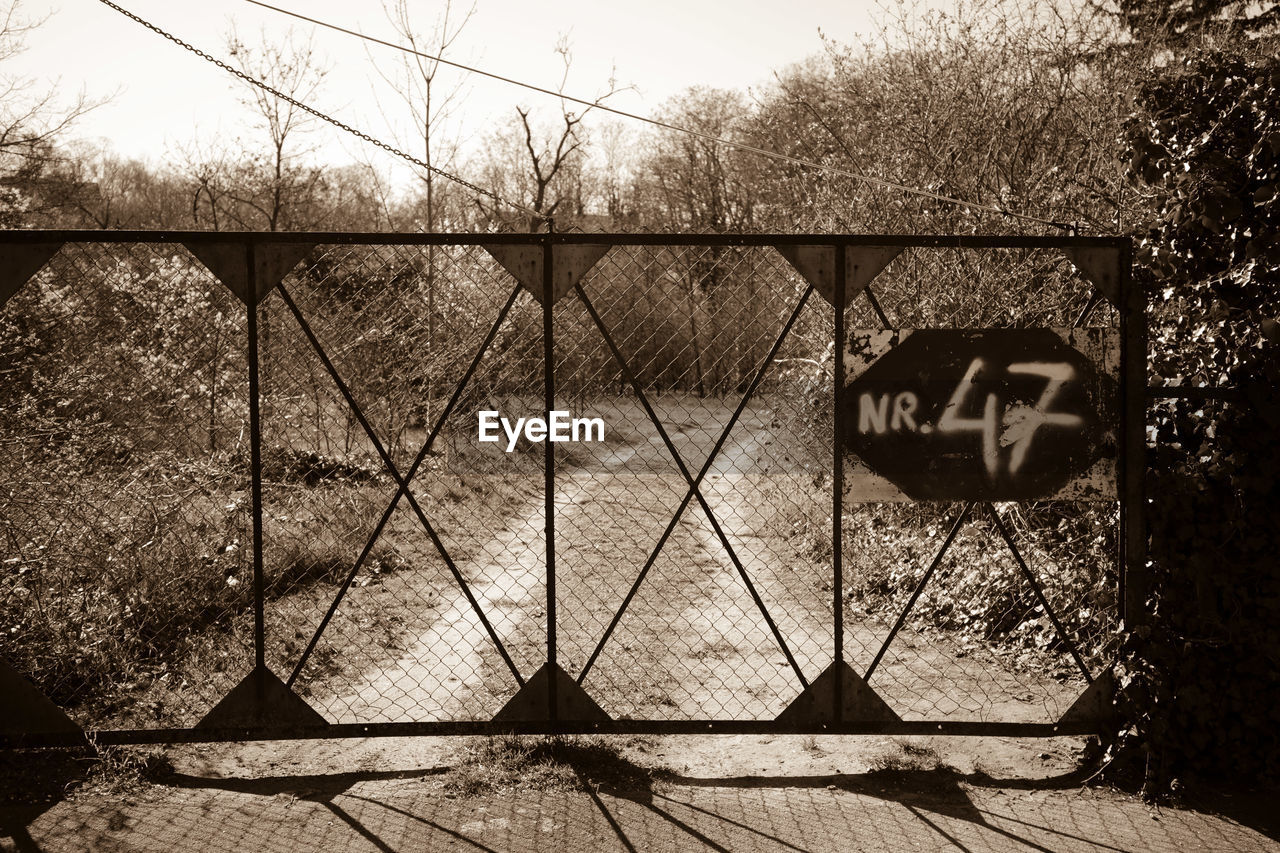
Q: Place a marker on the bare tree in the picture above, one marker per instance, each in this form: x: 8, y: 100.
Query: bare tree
x: 614, y: 174
x: 31, y: 122
x: 697, y: 184
x: 107, y: 190
x: 429, y: 104
x: 267, y: 186
x: 694, y: 184
x: 554, y: 158
x: 1011, y: 105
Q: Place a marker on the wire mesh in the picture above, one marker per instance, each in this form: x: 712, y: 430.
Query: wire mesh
x: 123, y: 485
x: 399, y: 327
x: 691, y: 327
x: 978, y: 643
x: 988, y: 288
x: 694, y: 560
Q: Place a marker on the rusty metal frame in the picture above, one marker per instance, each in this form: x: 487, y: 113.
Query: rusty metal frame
x: 25, y: 251
x: 35, y: 237
x: 695, y: 483
x: 403, y: 486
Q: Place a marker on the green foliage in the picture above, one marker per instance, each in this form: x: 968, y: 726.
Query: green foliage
x: 1198, y: 672
x: 1173, y: 20
x: 978, y: 594
x: 1206, y: 139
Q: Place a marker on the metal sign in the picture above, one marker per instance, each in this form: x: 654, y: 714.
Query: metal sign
x: 990, y: 414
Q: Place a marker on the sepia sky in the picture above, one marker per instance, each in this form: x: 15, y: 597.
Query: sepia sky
x: 166, y: 99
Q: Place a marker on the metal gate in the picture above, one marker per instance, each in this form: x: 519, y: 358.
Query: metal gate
x: 264, y: 485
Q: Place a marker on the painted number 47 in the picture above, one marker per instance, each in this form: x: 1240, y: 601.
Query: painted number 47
x: 1016, y: 428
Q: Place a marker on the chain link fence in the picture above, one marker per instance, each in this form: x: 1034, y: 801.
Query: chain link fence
x: 124, y: 482
x: 978, y: 642
x: 405, y: 545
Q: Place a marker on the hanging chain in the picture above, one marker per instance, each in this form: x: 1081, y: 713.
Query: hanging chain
x: 390, y: 149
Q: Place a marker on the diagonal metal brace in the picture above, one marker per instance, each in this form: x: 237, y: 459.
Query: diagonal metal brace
x: 924, y: 579
x: 875, y: 306
x: 694, y: 482
x: 403, y: 485
x: 1044, y: 602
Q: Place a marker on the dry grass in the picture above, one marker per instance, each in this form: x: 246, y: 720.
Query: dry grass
x: 33, y: 777
x: 907, y: 755
x: 139, y: 611
x: 553, y: 763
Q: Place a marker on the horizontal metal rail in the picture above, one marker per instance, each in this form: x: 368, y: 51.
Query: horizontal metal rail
x: 923, y: 241
x: 949, y: 728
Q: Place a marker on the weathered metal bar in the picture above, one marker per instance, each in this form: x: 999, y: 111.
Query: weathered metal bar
x: 403, y: 488
x: 438, y: 728
x: 837, y: 481
x: 694, y: 482
x: 924, y: 579
x: 1094, y: 298
x: 1132, y: 473
x: 875, y: 305
x: 1040, y: 596
x: 549, y: 468
x: 751, y: 589
x: 629, y: 375
x: 255, y: 471
x: 928, y: 241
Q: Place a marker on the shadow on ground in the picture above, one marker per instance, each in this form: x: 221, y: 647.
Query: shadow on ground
x: 583, y: 794
x: 31, y: 783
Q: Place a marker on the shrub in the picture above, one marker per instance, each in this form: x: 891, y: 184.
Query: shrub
x: 1200, y: 697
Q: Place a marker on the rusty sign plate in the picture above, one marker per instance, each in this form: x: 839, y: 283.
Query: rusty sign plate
x: 988, y: 414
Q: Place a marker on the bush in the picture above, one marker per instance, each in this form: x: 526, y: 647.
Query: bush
x: 978, y: 593
x: 1199, y: 693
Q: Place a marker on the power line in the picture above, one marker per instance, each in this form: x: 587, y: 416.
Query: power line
x: 327, y: 118
x: 597, y: 104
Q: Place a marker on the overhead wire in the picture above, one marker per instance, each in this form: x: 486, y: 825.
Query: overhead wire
x: 327, y: 118
x: 599, y: 105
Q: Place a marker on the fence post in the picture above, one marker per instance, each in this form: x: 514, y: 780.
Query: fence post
x: 549, y: 469
x: 255, y: 458
x: 1133, y: 367
x: 837, y: 483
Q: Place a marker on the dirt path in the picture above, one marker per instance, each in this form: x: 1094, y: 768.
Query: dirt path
x: 692, y: 643
x: 730, y: 619
x: 454, y: 671
x: 610, y: 514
